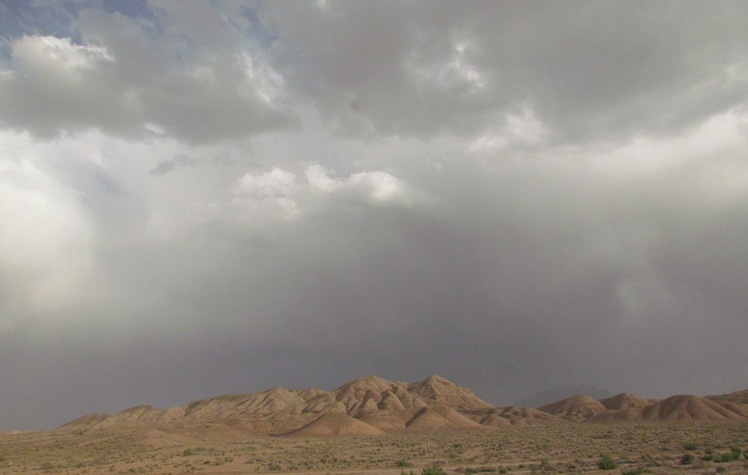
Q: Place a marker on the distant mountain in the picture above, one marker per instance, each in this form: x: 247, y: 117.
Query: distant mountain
x: 694, y: 408
x: 576, y: 408
x: 550, y: 396
x: 371, y: 405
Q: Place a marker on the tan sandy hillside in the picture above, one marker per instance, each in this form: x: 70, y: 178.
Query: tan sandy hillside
x: 621, y: 408
x: 368, y: 405
x: 627, y: 407
x: 335, y: 424
x: 518, y: 416
x: 624, y: 401
x: 686, y: 407
x: 737, y: 397
x: 575, y: 408
x: 372, y: 405
x: 439, y: 389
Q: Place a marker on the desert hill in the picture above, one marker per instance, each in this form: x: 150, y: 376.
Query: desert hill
x: 686, y: 407
x: 335, y: 424
x: 575, y: 408
x: 441, y: 390
x: 372, y: 405
x: 737, y: 397
x: 544, y: 398
x: 624, y: 401
x: 621, y: 407
x: 517, y: 416
x: 369, y: 405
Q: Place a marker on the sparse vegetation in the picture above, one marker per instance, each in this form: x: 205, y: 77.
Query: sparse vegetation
x: 560, y: 448
x: 635, y: 471
x: 734, y: 454
x: 606, y: 462
x: 433, y: 470
x: 690, y: 446
x: 686, y: 459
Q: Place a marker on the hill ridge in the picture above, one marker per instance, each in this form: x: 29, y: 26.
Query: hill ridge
x: 372, y: 405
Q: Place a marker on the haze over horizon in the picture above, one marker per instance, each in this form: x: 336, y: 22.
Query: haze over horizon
x: 203, y: 198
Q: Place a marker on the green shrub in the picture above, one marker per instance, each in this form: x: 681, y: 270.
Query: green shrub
x: 606, y: 462
x: 635, y: 471
x: 686, y: 459
x: 433, y: 470
x: 733, y: 454
x: 690, y: 446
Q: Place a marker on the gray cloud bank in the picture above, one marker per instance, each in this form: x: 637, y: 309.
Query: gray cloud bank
x: 201, y: 199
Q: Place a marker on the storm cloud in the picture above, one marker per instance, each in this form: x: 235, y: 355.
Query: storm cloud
x: 207, y: 198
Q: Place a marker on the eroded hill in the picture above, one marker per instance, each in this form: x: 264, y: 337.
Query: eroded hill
x: 371, y: 405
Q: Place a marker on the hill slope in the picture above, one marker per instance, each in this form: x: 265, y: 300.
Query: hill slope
x: 371, y: 405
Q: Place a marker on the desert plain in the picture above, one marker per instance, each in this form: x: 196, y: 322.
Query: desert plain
x: 371, y: 425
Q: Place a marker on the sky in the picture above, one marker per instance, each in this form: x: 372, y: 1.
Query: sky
x: 213, y: 197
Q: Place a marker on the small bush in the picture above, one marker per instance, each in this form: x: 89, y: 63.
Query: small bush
x: 433, y: 470
x: 635, y: 471
x: 187, y: 452
x: 651, y: 461
x: 734, y: 454
x: 402, y: 463
x: 606, y: 462
x: 690, y: 446
x: 686, y: 459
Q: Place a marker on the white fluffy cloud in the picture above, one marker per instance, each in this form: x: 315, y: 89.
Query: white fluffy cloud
x: 123, y: 80
x: 281, y: 194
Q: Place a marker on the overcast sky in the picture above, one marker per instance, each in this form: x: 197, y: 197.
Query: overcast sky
x: 200, y: 198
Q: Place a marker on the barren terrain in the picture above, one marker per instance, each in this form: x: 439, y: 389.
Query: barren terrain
x: 371, y: 425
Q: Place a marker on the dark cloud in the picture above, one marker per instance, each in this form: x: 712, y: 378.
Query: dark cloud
x: 515, y: 196
x: 590, y: 70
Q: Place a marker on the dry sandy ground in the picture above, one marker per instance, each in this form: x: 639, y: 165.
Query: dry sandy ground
x: 642, y: 447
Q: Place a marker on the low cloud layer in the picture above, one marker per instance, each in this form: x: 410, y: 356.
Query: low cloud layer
x: 200, y: 199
